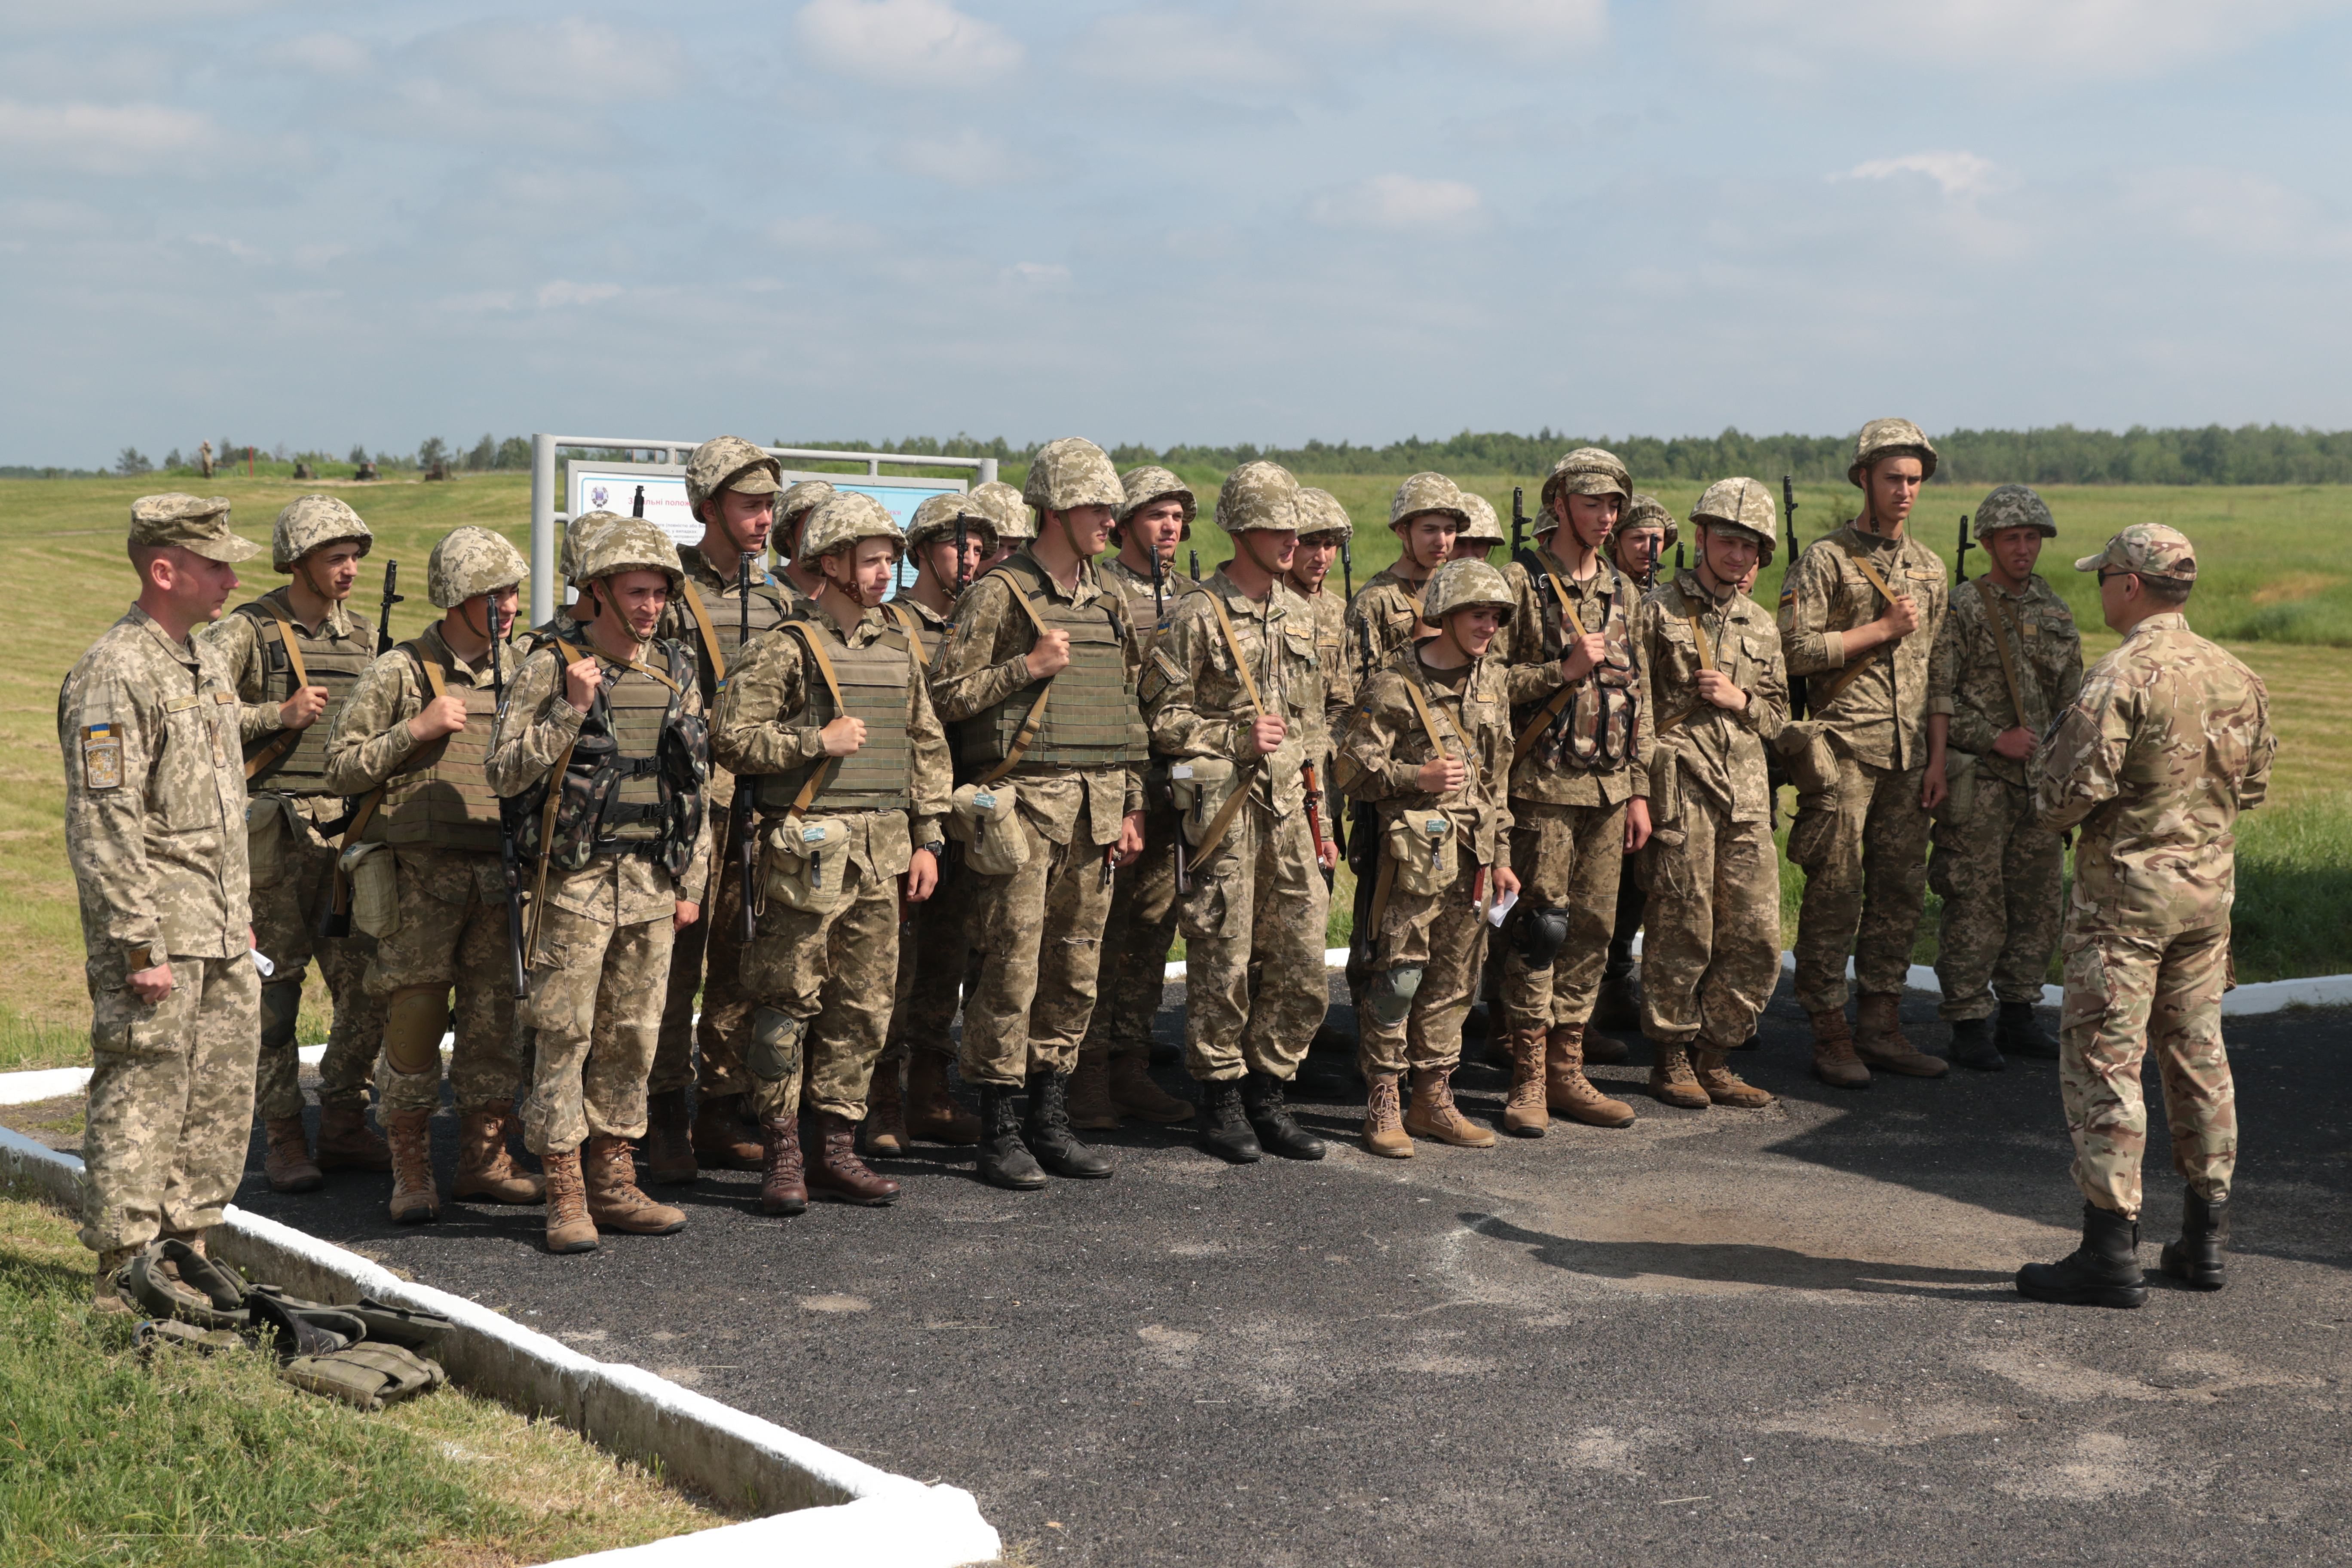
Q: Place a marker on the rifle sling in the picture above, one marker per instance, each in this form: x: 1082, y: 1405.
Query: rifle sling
x: 822, y: 775
x: 566, y: 655
x: 1036, y: 717
x: 1852, y: 673
x: 1705, y: 661
x: 1219, y: 823
x: 710, y: 635
x: 286, y: 743
x: 914, y: 630
x: 2000, y: 615
x: 1567, y: 693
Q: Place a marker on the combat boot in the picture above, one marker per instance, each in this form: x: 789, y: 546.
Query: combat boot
x: 413, y: 1200
x: 1834, y: 1062
x: 569, y: 1228
x: 1091, y: 1105
x: 487, y: 1170
x: 287, y: 1165
x: 838, y: 1174
x: 721, y: 1140
x: 1525, y: 1114
x: 346, y: 1142
x: 883, y: 1134
x: 1725, y: 1087
x: 783, y: 1186
x: 1566, y: 1089
x: 1047, y: 1131
x: 1225, y: 1131
x: 1135, y: 1094
x: 933, y: 1112
x: 2199, y: 1259
x: 1004, y: 1160
x: 1878, y: 1038
x: 1270, y: 1119
x: 104, y: 1295
x: 614, y: 1200
x: 2103, y: 1272
x: 1384, y: 1131
x: 2020, y: 1033
x: 1672, y: 1083
x: 1619, y: 1006
x: 1434, y: 1114
x: 1973, y: 1047
x: 667, y: 1154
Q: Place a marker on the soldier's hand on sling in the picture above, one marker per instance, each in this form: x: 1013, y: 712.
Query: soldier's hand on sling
x: 1902, y: 617
x: 922, y: 876
x: 1050, y: 656
x: 581, y: 679
x: 1267, y: 734
x: 1583, y: 654
x: 684, y: 914
x: 1441, y: 775
x: 843, y: 736
x: 445, y: 715
x: 301, y: 711
x: 151, y: 985
x: 2016, y: 744
x: 1719, y: 689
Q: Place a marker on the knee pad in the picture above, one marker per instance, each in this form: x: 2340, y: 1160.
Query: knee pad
x: 414, y: 1019
x: 1389, y: 998
x: 775, y: 1052
x: 1542, y: 931
x: 281, y: 1013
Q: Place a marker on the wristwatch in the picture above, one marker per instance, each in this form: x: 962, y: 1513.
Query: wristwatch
x: 935, y: 847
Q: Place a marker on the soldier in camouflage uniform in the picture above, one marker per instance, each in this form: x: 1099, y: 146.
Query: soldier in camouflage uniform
x: 407, y: 749
x: 1860, y: 612
x: 1325, y: 532
x: 294, y: 654
x: 829, y: 723
x: 1579, y: 776
x: 1430, y: 747
x: 2007, y: 661
x: 1645, y: 530
x: 799, y: 579
x: 1234, y: 693
x: 1114, y: 1075
x: 1712, y: 657
x: 1039, y: 676
x: 602, y: 751
x: 148, y: 720
x: 2168, y: 741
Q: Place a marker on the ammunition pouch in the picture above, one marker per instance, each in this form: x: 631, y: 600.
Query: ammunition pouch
x: 805, y: 861
x: 1426, y: 851
x: 268, y: 838
x: 1813, y: 763
x: 983, y: 819
x: 1542, y: 933
x: 1960, y: 779
x: 1198, y: 787
x: 371, y: 872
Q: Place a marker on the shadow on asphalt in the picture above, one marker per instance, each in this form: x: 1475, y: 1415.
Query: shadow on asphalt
x: 1732, y: 1263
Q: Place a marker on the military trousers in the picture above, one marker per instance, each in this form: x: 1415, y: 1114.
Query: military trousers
x: 1568, y: 857
x: 1865, y: 855
x: 822, y: 985
x: 1253, y: 925
x: 1429, y: 952
x: 1711, y: 951
x: 1632, y: 899
x: 2130, y: 995
x: 1037, y: 947
x: 2001, y: 877
x: 707, y: 958
x: 293, y: 867
x: 451, y: 935
x: 1137, y: 939
x: 595, y: 1005
x: 171, y: 1099
x: 934, y: 956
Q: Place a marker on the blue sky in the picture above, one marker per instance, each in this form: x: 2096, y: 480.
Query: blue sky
x: 1359, y: 220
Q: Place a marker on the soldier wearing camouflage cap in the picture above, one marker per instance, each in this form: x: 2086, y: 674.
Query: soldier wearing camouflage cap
x: 792, y: 509
x: 1234, y: 695
x: 602, y: 747
x: 422, y: 877
x: 2007, y: 661
x: 295, y: 654
x: 1039, y: 676
x: 1860, y: 612
x: 2168, y: 741
x: 1429, y: 750
x: 149, y: 723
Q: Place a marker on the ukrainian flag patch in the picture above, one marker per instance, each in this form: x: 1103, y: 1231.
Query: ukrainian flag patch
x: 101, y: 757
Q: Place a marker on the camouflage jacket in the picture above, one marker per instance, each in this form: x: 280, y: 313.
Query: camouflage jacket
x: 154, y: 800
x: 1717, y: 753
x: 1386, y: 743
x: 1966, y: 682
x: 1531, y: 645
x: 372, y: 739
x: 1331, y: 613
x: 236, y: 639
x: 1382, y: 618
x: 1876, y: 713
x: 2169, y: 741
x: 1197, y: 705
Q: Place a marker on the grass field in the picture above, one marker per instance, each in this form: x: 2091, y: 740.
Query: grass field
x: 2275, y: 580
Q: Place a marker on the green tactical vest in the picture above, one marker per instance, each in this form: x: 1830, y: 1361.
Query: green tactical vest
x: 333, y: 662
x: 879, y: 775
x: 1594, y: 731
x: 638, y: 704
x: 442, y: 796
x: 1093, y: 720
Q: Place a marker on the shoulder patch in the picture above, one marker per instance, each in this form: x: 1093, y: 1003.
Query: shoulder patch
x: 101, y: 757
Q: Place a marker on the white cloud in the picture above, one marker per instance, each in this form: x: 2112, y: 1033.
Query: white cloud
x: 1179, y: 47
x: 327, y: 54
x: 1041, y: 274
x: 1398, y: 202
x: 113, y: 15
x: 967, y: 159
x: 105, y: 139
x: 235, y: 247
x: 562, y: 291
x: 1958, y: 174
x: 570, y: 61
x: 905, y: 41
x: 1540, y: 26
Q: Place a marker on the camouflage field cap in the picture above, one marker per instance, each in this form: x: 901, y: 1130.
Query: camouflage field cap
x: 1014, y: 520
x: 1147, y: 485
x: 1648, y: 512
x: 2149, y: 549
x: 1891, y: 438
x: 1320, y: 513
x: 730, y: 463
x: 1259, y: 496
x: 2015, y: 506
x: 576, y: 535
x: 1743, y: 504
x: 843, y: 518
x: 1484, y: 527
x: 470, y: 560
x: 198, y: 525
x: 1072, y: 472
x: 1587, y: 471
x: 1427, y: 491
x: 1459, y: 584
x: 630, y: 544
x: 311, y: 521
x: 936, y: 519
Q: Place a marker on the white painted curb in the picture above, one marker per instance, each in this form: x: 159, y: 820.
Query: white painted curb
x: 826, y: 1507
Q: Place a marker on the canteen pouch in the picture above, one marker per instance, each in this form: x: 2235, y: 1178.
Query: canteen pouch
x: 804, y: 862
x: 1423, y: 845
x: 267, y: 833
x: 1960, y: 778
x: 1200, y: 786
x: 982, y: 818
x: 375, y: 889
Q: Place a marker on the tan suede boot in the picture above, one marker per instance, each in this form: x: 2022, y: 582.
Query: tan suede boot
x: 1090, y: 1106
x: 1566, y: 1089
x: 883, y: 1134
x: 414, y: 1199
x: 668, y: 1152
x: 1432, y: 1113
x: 1384, y: 1131
x: 287, y: 1165
x: 1834, y: 1062
x: 1524, y: 1115
x: 103, y: 1294
x: 934, y: 1114
x: 346, y: 1142
x: 1134, y: 1092
x: 614, y: 1200
x: 569, y: 1228
x: 722, y: 1140
x: 485, y: 1168
x: 1725, y: 1087
x: 1878, y: 1039
x: 1672, y: 1081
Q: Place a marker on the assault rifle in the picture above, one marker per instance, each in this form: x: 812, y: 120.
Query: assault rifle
x: 1348, y: 574
x: 963, y: 537
x: 1964, y: 547
x: 638, y: 506
x: 383, y: 614
x: 738, y: 810
x: 1519, y: 520
x: 1159, y: 590
x: 1788, y: 510
x: 1315, y: 819
x: 1196, y: 564
x: 509, y: 856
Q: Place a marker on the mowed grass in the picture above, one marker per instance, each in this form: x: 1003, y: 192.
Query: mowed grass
x: 197, y: 1461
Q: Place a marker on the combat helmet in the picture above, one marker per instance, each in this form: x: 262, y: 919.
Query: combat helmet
x: 310, y: 522
x: 631, y: 544
x: 1014, y: 520
x: 1319, y: 512
x: 1458, y: 585
x: 2013, y: 506
x: 1072, y: 472
x: 576, y: 536
x: 1147, y: 486
x: 936, y: 519
x: 1259, y: 496
x: 1587, y: 471
x: 1890, y: 438
x: 1484, y: 527
x: 470, y: 560
x: 843, y: 518
x: 730, y: 463
x: 795, y: 505
x: 1745, y: 505
x: 1648, y: 511
x: 1426, y: 491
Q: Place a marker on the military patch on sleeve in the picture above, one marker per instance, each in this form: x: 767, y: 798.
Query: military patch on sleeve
x: 101, y: 757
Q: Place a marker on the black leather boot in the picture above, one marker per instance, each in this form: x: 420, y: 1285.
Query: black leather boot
x: 2020, y: 1033
x: 1972, y: 1045
x: 1004, y: 1160
x: 2103, y: 1272
x: 1047, y: 1127
x: 1225, y: 1127
x: 2199, y: 1259
x: 1270, y: 1119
